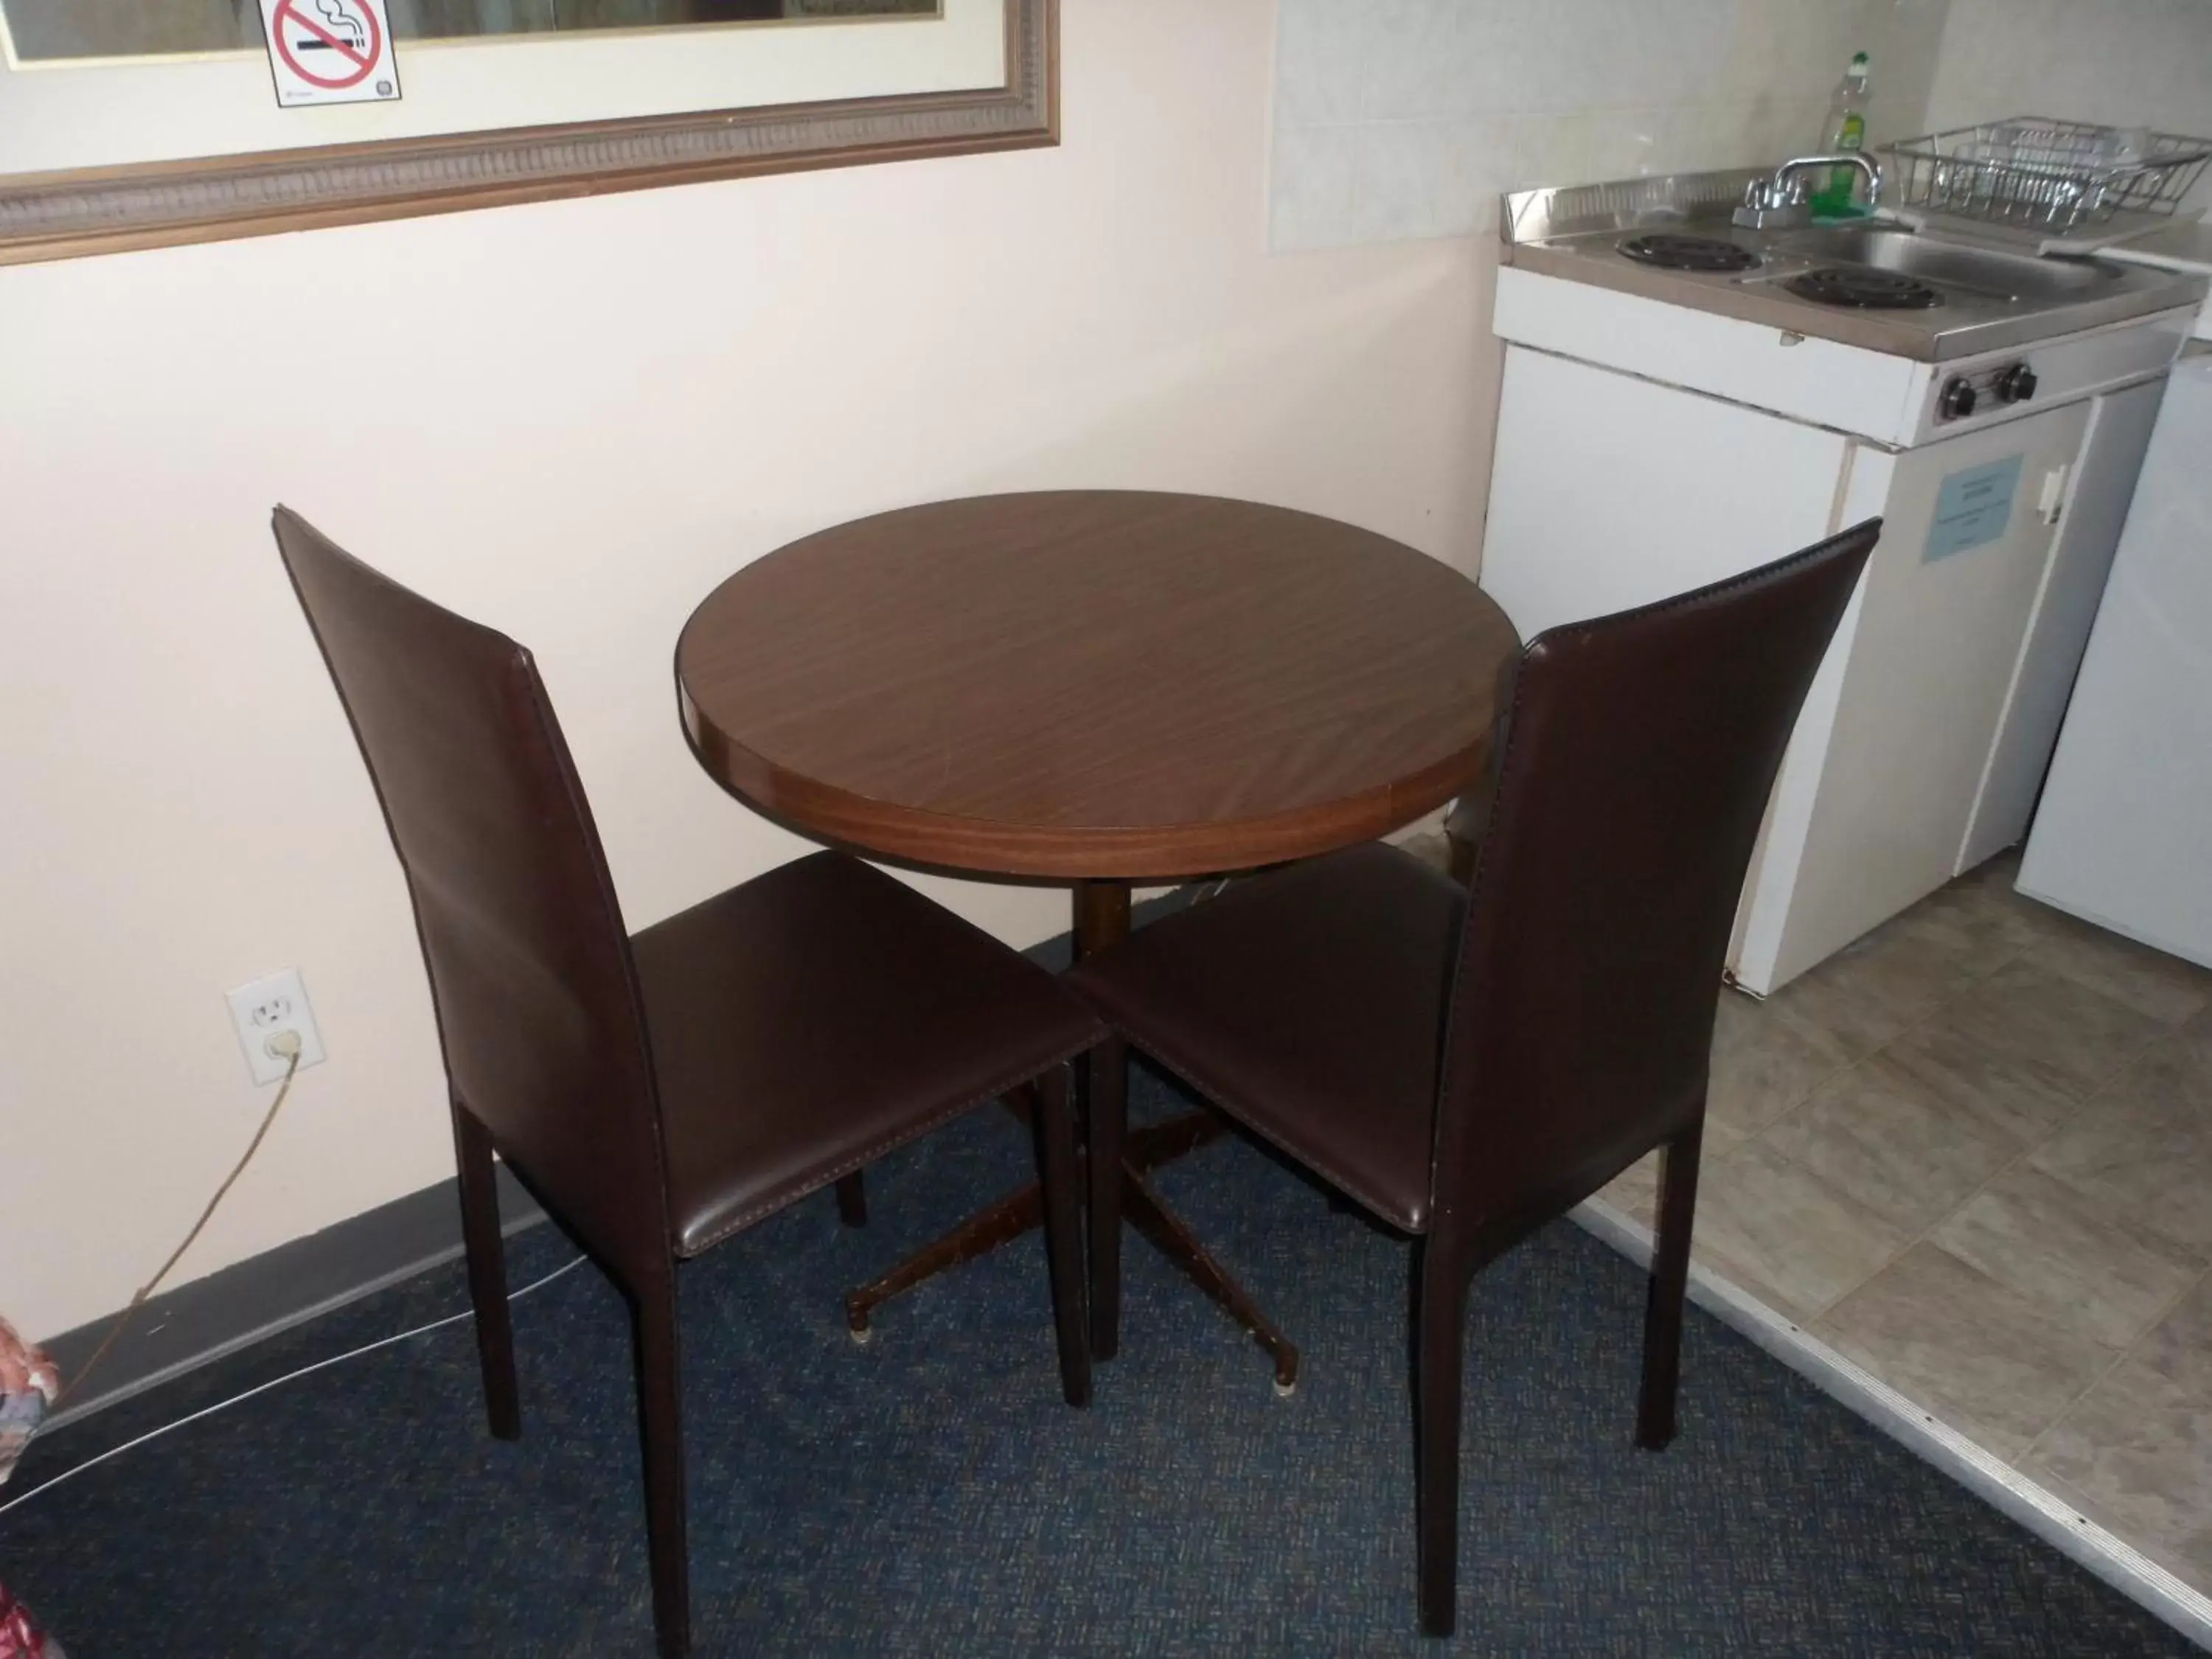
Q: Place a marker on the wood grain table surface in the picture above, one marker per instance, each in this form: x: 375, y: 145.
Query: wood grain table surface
x: 1094, y: 684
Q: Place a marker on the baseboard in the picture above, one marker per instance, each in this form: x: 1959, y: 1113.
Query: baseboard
x: 200, y: 1323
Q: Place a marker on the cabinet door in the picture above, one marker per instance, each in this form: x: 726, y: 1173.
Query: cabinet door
x: 1945, y: 606
x: 1607, y: 492
x: 2097, y: 499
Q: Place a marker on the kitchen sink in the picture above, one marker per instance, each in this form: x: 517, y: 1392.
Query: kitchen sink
x: 1875, y: 284
x: 2012, y: 277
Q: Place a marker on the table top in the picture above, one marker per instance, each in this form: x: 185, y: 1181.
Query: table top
x: 1094, y: 684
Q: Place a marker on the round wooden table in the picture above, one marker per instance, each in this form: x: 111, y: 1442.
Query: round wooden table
x: 1099, y: 687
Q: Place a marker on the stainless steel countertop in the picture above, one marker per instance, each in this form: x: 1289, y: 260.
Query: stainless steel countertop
x: 1992, y: 298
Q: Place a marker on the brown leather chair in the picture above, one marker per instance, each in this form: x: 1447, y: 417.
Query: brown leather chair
x: 1468, y: 1067
x: 661, y: 1092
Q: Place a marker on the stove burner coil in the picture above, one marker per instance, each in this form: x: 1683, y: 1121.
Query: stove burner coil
x: 1865, y: 288
x: 1672, y: 251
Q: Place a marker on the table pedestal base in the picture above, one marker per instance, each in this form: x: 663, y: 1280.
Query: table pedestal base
x: 1148, y: 1212
x: 1019, y: 1211
x: 1101, y: 913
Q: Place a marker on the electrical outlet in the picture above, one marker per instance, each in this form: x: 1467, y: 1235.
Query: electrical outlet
x: 266, y: 1006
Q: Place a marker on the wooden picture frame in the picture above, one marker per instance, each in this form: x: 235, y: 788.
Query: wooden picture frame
x: 80, y: 211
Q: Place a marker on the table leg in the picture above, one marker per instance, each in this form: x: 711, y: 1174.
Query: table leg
x: 1171, y: 1235
x: 1118, y: 1161
x: 1101, y: 920
x: 979, y: 1235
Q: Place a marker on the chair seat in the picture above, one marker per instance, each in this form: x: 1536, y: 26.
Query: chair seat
x: 811, y: 1020
x: 1309, y: 1004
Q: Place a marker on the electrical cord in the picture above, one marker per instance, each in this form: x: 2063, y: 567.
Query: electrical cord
x: 288, y: 1377
x: 283, y: 1044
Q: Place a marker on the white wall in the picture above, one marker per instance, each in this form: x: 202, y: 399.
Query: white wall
x: 2125, y: 63
x: 571, y: 419
x: 2129, y: 63
x: 1407, y: 118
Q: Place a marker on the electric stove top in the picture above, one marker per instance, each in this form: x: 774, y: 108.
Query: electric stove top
x: 1671, y: 251
x: 1867, y: 282
x: 1866, y: 287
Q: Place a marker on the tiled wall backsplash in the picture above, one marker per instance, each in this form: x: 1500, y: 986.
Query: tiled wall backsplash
x: 1402, y: 118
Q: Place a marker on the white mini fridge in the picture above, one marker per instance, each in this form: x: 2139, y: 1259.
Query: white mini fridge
x: 2123, y: 835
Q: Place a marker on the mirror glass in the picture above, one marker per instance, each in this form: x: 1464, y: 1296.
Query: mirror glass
x: 53, y: 31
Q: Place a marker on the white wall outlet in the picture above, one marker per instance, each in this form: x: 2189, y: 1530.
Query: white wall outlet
x: 267, y: 1006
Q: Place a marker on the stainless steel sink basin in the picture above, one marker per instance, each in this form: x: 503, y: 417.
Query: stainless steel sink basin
x: 2010, y: 277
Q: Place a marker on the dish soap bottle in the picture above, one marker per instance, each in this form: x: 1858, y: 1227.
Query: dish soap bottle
x: 1844, y: 133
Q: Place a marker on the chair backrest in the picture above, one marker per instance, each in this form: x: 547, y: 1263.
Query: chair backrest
x: 1632, y: 772
x: 529, y: 962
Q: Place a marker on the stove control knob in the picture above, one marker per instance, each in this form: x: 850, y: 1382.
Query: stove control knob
x: 1957, y: 398
x: 2016, y: 384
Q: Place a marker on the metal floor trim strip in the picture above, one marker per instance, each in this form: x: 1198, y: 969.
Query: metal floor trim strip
x: 2113, y: 1559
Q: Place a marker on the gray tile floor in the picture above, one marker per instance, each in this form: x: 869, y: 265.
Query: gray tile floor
x: 1973, y: 1153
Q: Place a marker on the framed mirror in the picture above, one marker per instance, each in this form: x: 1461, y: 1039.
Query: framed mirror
x: 140, y: 123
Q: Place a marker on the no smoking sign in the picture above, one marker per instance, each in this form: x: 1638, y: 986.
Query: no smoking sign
x: 330, y: 51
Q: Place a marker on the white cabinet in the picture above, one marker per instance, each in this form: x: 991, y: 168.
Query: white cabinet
x: 1925, y: 683
x: 1927, y: 728
x: 1608, y: 491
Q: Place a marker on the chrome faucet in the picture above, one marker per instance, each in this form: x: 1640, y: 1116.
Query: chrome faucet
x: 1781, y: 203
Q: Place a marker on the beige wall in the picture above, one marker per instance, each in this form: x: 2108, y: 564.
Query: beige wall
x: 572, y: 420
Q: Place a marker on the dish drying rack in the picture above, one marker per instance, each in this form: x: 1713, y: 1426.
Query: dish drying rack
x: 2068, y: 186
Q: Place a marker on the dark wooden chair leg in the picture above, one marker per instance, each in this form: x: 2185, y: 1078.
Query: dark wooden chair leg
x: 1063, y: 1230
x: 487, y: 1258
x: 660, y: 1419
x: 852, y: 1199
x: 1440, y: 1343
x: 1671, y: 1274
x: 1109, y: 1102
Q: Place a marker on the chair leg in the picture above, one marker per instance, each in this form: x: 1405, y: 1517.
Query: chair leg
x: 1439, y: 1341
x: 660, y: 1418
x: 1109, y: 1102
x: 487, y: 1259
x: 1063, y: 1230
x: 852, y: 1199
x: 1671, y: 1273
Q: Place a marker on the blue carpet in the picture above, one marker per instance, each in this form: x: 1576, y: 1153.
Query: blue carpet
x: 930, y: 1495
